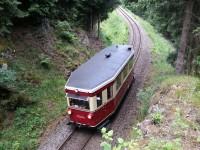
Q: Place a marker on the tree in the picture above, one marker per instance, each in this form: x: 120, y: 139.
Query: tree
x: 184, y: 37
x: 82, y: 13
x: 8, y: 10
x: 173, y: 19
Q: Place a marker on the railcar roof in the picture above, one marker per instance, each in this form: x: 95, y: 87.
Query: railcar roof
x: 99, y: 69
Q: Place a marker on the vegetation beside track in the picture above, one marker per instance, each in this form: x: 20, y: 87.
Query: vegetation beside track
x: 114, y: 30
x: 38, y: 81
x: 169, y: 109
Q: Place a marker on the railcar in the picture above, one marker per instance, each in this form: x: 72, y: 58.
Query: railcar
x: 96, y: 88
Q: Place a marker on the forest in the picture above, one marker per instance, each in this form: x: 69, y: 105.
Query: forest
x: 83, y: 13
x: 43, y: 41
x: 179, y: 22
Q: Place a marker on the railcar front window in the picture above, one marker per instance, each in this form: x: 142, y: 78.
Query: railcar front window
x: 99, y: 99
x: 83, y: 104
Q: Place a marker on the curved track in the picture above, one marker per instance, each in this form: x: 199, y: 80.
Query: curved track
x: 127, y: 115
x: 137, y: 37
x: 79, y: 138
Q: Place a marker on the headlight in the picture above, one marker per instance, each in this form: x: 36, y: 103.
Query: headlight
x: 90, y: 116
x: 69, y: 111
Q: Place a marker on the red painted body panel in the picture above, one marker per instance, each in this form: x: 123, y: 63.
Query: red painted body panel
x: 103, y: 112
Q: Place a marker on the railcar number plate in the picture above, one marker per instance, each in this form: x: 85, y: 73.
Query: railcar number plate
x: 79, y: 116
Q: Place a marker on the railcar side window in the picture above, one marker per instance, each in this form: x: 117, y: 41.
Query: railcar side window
x: 118, y: 81
x: 99, y: 99
x: 125, y: 71
x: 78, y: 103
x: 130, y: 63
x: 110, y: 92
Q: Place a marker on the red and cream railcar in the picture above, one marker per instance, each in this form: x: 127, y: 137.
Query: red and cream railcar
x: 95, y: 89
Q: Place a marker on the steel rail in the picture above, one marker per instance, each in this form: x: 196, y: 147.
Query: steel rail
x: 83, y: 147
x: 67, y: 139
x: 132, y: 21
x: 60, y: 147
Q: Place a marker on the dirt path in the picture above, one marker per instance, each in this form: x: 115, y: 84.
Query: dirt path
x: 124, y: 119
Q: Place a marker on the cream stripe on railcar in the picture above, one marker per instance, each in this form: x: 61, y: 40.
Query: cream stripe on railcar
x: 114, y: 89
x: 93, y: 103
x: 104, y: 96
x: 67, y: 100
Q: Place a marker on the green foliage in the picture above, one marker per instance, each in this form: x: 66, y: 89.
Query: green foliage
x: 167, y: 17
x: 156, y: 144
x: 157, y: 117
x: 80, y: 13
x: 11, y: 99
x: 162, y: 14
x: 45, y: 62
x: 197, y: 61
x: 7, y: 77
x: 65, y: 31
x: 44, y: 8
x: 30, y: 77
x: 179, y: 123
x: 160, y: 68
x: 44, y: 89
x: 172, y: 58
x: 110, y: 30
x: 136, y: 133
x: 29, y: 122
x: 144, y: 97
x: 8, y: 10
x: 108, y: 137
x: 191, y: 90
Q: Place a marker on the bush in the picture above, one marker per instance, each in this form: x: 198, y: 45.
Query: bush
x: 155, y: 144
x: 172, y: 58
x: 144, y: 97
x: 31, y: 77
x: 157, y: 118
x: 66, y: 35
x: 7, y: 77
x: 65, y: 32
x: 11, y: 99
x: 45, y: 62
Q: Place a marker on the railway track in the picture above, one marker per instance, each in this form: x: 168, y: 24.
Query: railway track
x: 60, y: 147
x: 135, y: 28
x: 79, y: 138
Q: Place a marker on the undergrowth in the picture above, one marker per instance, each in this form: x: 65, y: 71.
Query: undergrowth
x: 164, y: 88
x: 40, y: 78
x: 160, y: 68
x: 114, y: 30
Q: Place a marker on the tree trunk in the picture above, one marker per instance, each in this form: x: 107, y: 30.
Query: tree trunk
x: 98, y: 26
x: 91, y: 22
x: 184, y: 37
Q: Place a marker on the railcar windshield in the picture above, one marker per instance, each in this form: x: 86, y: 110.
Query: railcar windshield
x: 78, y: 101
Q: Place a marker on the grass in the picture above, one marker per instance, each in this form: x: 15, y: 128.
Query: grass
x: 160, y: 69
x: 188, y: 88
x: 162, y: 76
x: 45, y: 87
x: 110, y: 32
x: 173, y: 96
x: 29, y: 122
